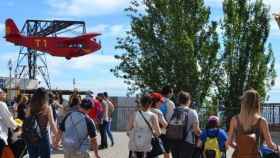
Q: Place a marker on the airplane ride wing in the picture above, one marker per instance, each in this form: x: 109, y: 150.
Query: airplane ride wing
x: 81, y: 38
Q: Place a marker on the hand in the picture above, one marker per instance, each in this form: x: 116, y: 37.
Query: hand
x: 55, y: 146
x: 97, y: 156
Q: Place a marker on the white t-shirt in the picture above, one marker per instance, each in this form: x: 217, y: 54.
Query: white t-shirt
x: 160, y: 118
x: 105, y: 106
x: 6, y: 121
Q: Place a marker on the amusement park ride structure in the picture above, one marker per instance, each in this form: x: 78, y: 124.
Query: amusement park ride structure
x: 38, y: 37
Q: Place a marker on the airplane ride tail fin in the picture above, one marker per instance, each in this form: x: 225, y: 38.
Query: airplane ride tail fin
x: 11, y: 28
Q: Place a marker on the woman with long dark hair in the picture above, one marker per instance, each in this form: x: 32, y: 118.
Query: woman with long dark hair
x: 40, y: 109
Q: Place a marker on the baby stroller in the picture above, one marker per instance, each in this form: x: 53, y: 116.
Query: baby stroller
x: 16, y: 142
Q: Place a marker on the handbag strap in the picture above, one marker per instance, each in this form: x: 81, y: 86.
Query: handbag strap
x: 147, y: 122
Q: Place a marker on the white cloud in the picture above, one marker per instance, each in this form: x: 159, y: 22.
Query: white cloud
x: 86, y: 7
x: 2, y: 28
x: 274, y: 4
x: 102, y: 28
x: 117, y: 30
x: 82, y: 63
x: 109, y: 30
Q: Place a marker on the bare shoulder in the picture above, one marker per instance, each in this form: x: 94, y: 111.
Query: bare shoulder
x: 233, y: 121
x: 263, y: 121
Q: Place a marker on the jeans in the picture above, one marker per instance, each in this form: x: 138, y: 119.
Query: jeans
x: 109, y: 132
x: 2, y: 145
x: 103, y: 134
x: 42, y: 149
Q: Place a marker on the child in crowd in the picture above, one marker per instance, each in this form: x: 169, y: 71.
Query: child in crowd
x: 213, y: 139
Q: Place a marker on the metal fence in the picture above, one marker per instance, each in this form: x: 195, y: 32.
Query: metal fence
x: 270, y: 111
x: 120, y: 117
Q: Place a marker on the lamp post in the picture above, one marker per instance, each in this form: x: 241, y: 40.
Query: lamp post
x: 10, y: 66
x: 74, y: 83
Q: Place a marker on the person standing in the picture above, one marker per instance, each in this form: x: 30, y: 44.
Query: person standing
x: 139, y: 132
x: 157, y: 100
x: 79, y: 133
x: 22, y: 108
x: 111, y: 108
x: 6, y: 121
x: 104, y: 121
x: 40, y: 113
x: 248, y: 130
x: 167, y: 106
x: 186, y: 120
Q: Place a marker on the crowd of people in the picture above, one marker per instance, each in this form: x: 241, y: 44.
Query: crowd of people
x: 38, y: 124
x: 178, y: 135
x: 42, y: 122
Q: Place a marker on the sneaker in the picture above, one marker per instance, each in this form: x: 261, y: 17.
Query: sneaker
x: 100, y: 147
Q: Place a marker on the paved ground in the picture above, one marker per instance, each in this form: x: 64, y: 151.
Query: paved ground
x: 120, y: 149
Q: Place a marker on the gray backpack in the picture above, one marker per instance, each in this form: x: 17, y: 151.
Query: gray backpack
x: 73, y: 138
x: 177, y: 126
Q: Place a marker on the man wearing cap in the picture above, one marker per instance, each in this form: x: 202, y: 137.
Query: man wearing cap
x: 6, y: 121
x: 79, y: 133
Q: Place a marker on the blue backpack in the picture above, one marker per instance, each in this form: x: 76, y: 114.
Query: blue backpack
x: 164, y: 107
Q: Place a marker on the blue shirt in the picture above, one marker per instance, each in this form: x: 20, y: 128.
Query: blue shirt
x: 215, y: 132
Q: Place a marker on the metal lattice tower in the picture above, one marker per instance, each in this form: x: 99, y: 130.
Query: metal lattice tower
x: 30, y: 62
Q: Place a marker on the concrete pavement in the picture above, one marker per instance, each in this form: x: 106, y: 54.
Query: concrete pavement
x: 120, y: 149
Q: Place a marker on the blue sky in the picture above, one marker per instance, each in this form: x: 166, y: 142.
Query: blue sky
x: 92, y: 72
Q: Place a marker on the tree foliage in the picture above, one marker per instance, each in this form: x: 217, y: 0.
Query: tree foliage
x: 171, y: 42
x: 246, y: 61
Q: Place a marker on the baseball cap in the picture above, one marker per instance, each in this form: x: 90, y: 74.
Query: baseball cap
x: 86, y: 104
x: 213, y: 120
x: 157, y: 97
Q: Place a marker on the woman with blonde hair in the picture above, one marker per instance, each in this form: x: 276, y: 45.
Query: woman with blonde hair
x: 248, y: 130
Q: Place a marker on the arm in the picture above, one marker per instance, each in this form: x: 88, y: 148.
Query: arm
x: 171, y: 107
x: 233, y: 125
x: 162, y: 120
x: 155, y: 126
x: 92, y: 134
x: 52, y: 122
x: 196, y: 129
x: 95, y: 147
x: 7, y: 116
x: 266, y: 135
x: 57, y: 139
x: 195, y: 126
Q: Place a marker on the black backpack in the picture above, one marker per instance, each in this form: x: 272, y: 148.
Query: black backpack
x: 177, y: 126
x: 31, y: 130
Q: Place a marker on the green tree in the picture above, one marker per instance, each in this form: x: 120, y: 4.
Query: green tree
x: 171, y: 42
x: 247, y: 60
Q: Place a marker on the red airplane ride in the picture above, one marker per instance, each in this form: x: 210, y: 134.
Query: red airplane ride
x: 67, y: 47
